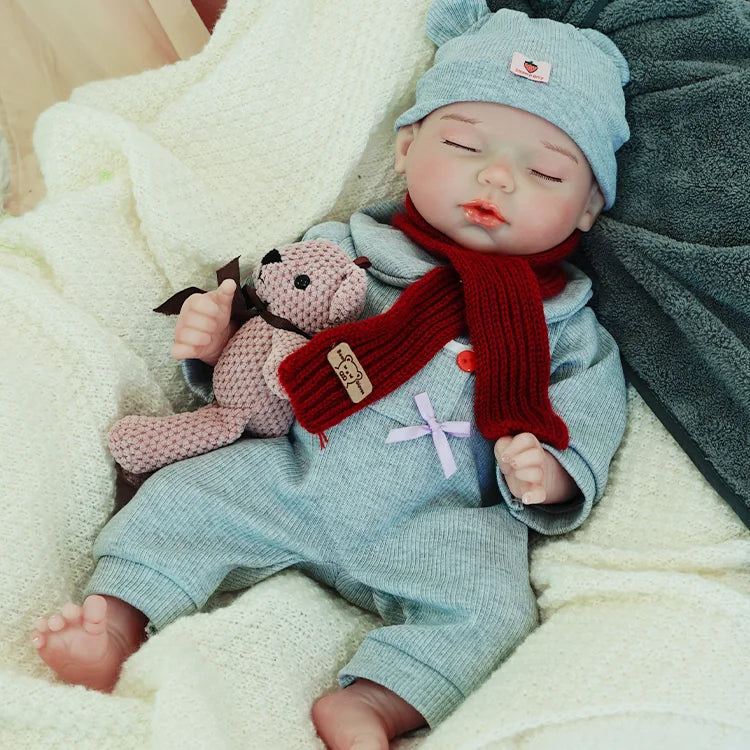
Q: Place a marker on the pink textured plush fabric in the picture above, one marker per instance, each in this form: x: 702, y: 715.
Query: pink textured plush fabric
x: 314, y: 285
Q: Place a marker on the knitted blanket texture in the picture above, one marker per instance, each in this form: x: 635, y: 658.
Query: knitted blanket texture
x: 154, y: 181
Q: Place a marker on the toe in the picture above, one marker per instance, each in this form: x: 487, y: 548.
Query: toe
x: 41, y: 625
x: 37, y: 639
x: 55, y: 623
x: 71, y: 613
x: 94, y: 614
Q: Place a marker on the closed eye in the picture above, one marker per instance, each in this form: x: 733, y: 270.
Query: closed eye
x: 461, y: 146
x: 536, y: 173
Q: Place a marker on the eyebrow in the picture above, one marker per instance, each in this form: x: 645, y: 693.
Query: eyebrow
x: 560, y: 150
x: 551, y: 146
x: 461, y: 118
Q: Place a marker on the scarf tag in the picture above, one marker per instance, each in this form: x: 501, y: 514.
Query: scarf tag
x: 350, y: 372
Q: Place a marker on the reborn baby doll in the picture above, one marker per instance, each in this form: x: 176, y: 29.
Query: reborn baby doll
x: 481, y: 398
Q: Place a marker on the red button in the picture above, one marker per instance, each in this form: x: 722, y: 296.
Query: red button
x: 467, y: 360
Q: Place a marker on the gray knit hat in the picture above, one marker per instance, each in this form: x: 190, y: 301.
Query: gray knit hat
x: 571, y: 77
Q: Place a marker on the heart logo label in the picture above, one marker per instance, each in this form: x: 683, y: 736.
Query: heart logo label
x: 527, y: 67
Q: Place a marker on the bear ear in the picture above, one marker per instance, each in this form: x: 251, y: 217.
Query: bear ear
x: 348, y: 300
x: 450, y: 18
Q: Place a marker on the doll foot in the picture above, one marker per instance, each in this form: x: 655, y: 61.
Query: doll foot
x: 87, y: 645
x: 363, y: 716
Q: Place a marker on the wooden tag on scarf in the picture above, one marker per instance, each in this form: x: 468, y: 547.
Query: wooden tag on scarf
x: 350, y: 372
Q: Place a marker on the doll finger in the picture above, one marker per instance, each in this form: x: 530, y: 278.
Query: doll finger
x: 183, y: 351
x: 501, y: 450
x: 534, y: 496
x: 524, y: 441
x: 525, y: 457
x: 198, y: 322
x: 533, y: 474
x: 530, y: 459
x: 226, y: 288
x: 224, y: 295
x: 519, y: 443
x: 191, y: 337
x: 201, y: 303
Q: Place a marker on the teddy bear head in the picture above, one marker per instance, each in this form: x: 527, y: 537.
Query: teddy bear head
x: 314, y: 284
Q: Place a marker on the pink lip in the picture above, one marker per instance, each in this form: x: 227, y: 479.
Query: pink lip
x: 483, y: 213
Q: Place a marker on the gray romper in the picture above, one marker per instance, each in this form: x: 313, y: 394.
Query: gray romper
x: 444, y: 561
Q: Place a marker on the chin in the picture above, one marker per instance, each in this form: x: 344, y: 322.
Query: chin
x: 478, y: 240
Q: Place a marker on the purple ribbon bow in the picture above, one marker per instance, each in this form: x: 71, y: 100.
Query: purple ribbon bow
x: 438, y: 431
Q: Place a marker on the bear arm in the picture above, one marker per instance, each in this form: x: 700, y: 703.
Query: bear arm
x: 283, y: 343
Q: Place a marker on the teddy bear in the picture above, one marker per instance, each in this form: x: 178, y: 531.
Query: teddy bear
x: 297, y: 291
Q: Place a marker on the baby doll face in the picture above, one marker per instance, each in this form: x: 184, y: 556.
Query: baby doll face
x: 497, y: 179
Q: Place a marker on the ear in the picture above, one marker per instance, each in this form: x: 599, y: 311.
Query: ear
x: 404, y: 138
x: 592, y: 209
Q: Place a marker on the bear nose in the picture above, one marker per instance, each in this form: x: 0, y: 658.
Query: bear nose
x: 272, y: 256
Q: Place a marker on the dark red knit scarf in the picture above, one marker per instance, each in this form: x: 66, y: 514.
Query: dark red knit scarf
x: 496, y: 298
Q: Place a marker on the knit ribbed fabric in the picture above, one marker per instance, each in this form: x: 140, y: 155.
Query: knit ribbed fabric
x: 496, y: 298
x: 233, y: 518
x: 388, y: 350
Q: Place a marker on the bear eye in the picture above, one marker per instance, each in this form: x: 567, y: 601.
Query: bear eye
x: 302, y: 281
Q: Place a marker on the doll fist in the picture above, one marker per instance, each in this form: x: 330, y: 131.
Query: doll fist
x: 203, y: 328
x: 522, y: 461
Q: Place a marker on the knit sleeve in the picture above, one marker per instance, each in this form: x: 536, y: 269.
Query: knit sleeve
x: 587, y: 390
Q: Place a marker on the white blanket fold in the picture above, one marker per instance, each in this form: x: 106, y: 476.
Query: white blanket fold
x: 284, y: 119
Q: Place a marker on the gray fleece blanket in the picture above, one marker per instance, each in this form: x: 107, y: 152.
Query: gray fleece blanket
x: 671, y: 260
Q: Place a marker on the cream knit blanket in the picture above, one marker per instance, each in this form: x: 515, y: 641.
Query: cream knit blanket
x: 153, y: 181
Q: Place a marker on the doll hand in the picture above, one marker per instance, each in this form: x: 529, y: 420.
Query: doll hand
x: 204, y: 327
x: 522, y: 461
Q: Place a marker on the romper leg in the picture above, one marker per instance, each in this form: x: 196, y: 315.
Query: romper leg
x: 192, y: 523
x: 453, y: 586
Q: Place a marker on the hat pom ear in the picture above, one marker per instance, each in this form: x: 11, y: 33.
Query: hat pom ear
x: 606, y: 45
x: 447, y: 19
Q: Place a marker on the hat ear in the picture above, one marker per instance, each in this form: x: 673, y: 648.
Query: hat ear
x: 450, y: 18
x: 606, y: 45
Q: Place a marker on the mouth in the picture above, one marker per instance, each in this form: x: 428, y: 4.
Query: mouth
x: 483, y: 213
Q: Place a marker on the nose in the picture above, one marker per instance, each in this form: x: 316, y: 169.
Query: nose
x: 498, y: 174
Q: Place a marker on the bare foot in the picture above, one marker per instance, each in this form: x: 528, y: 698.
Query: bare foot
x: 363, y: 716
x: 88, y: 645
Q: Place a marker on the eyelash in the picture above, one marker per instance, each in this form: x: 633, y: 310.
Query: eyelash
x: 461, y: 146
x: 535, y: 172
x: 545, y: 176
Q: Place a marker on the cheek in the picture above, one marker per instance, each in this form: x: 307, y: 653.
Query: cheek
x: 429, y: 175
x: 561, y: 213
x: 546, y: 223
x: 426, y: 178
